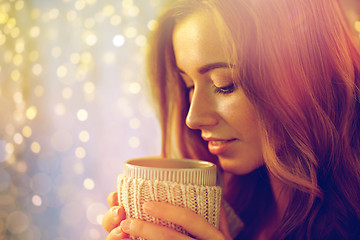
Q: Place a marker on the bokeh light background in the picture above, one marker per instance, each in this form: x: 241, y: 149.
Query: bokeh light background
x: 73, y: 108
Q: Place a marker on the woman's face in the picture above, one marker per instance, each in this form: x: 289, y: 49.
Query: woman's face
x: 224, y: 114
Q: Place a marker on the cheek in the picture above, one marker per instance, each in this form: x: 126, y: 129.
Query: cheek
x: 241, y: 116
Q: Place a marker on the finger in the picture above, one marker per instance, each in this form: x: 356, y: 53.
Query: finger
x: 195, y: 224
x: 117, y: 234
x: 112, y: 199
x: 150, y: 231
x: 113, y: 217
x: 223, y: 224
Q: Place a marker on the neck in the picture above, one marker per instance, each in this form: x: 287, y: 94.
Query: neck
x: 281, y: 197
x: 281, y: 200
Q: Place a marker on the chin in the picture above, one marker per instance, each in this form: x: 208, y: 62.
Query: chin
x: 238, y: 167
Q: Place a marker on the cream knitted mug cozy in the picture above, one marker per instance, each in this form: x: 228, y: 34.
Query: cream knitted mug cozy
x: 182, y: 182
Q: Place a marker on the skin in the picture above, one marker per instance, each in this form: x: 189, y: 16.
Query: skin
x: 219, y: 111
x: 226, y: 119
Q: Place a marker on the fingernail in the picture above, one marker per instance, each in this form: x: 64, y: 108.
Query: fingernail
x: 148, y: 207
x: 125, y: 225
x: 115, y: 211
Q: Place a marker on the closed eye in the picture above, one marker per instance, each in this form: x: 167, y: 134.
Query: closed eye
x: 226, y: 89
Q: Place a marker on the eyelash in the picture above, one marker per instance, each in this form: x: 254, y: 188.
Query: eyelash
x: 225, y: 90
x: 219, y: 90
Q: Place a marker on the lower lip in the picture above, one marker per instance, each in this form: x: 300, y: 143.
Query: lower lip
x: 218, y: 149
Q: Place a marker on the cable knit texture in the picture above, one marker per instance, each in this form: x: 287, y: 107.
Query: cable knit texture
x: 203, y: 200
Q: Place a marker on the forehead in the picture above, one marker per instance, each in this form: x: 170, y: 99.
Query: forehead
x: 196, y: 39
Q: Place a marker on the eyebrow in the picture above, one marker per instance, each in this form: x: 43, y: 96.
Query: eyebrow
x: 208, y: 67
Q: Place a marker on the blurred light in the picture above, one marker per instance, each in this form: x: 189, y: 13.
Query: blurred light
x: 35, y: 147
x: 39, y: 90
x: 15, y: 32
x: 67, y: 93
x: 118, y: 40
x: 3, y: 17
x: 115, y: 20
x: 108, y: 10
x: 90, y: 2
x: 18, y: 115
x: 15, y: 75
x: 152, y: 24
x: 71, y: 15
x: 19, y: 45
x: 89, y: 184
x: 21, y: 167
x: 82, y: 115
x: 75, y: 58
x: 86, y: 58
x: 134, y: 88
x: 89, y: 38
x: 17, y: 222
x: 18, y: 97
x: 18, y: 138
x: 80, y: 152
x: 34, y: 31
x: 130, y: 32
x: 132, y: 11
x: 84, y: 136
x: 88, y: 87
x: 18, y: 60
x: 19, y: 5
x: 134, y: 142
x: 80, y: 5
x: 27, y: 131
x: 135, y: 123
x: 357, y: 26
x: 61, y: 71
x: 37, y: 69
x: 36, y: 200
x: 31, y: 112
x: 127, y: 3
x: 35, y: 13
x: 11, y: 23
x: 8, y: 56
x: 54, y: 13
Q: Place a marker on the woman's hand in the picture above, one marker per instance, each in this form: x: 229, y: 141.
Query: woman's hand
x: 113, y: 217
x: 192, y: 222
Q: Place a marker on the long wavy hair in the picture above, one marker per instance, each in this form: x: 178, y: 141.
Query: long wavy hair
x: 300, y: 67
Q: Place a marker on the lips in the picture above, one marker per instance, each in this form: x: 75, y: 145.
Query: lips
x: 219, y: 146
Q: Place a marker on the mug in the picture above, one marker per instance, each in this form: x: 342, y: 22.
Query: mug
x: 185, y: 183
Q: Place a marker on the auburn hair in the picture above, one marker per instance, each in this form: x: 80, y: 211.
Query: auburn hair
x: 299, y: 66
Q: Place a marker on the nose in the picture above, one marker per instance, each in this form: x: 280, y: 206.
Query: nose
x: 201, y: 112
